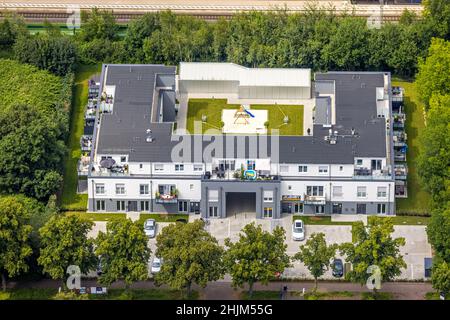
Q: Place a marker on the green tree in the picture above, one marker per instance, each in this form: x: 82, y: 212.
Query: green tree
x: 257, y: 256
x: 438, y: 231
x: 65, y: 242
x: 433, y: 162
x: 373, y: 245
x: 123, y: 252
x: 438, y: 13
x: 316, y: 255
x: 55, y: 54
x: 14, y: 237
x: 32, y: 150
x: 440, y: 277
x: 11, y: 28
x: 138, y: 30
x: 433, y: 76
x: 190, y: 256
x: 98, y: 24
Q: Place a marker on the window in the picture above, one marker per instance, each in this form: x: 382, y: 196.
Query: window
x: 213, y: 195
x: 320, y: 209
x: 123, y: 159
x: 323, y: 169
x: 337, y: 208
x: 198, y: 167
x: 289, y: 187
x: 303, y: 169
x: 158, y: 167
x: 361, y: 192
x: 268, y: 212
x: 120, y: 188
x: 120, y: 205
x: 337, y: 191
x: 381, y: 192
x: 376, y: 164
x: 341, y: 168
x: 100, y: 205
x: 268, y: 196
x: 144, y: 206
x: 359, y: 162
x: 213, y: 212
x: 251, y: 165
x: 179, y: 167
x: 191, y: 187
x: 314, y: 191
x: 182, y: 206
x: 284, y: 169
x: 381, y: 208
x: 99, y: 188
x: 361, y: 208
x: 140, y: 166
x: 143, y: 189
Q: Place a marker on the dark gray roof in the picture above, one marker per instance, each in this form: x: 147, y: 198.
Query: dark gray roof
x: 124, y: 131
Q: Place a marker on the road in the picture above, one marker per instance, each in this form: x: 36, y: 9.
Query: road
x: 222, y: 290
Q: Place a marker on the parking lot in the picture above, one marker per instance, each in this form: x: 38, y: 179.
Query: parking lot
x: 415, y: 250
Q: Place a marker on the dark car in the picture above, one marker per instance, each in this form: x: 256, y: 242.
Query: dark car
x: 338, y: 268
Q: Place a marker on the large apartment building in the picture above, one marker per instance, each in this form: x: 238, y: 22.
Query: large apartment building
x: 142, y: 158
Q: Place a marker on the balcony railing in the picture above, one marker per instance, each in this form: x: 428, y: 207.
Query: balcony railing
x: 309, y: 199
x: 369, y: 174
x: 166, y: 198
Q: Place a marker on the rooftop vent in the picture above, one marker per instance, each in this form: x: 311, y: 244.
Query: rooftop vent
x: 148, y: 131
x: 149, y: 139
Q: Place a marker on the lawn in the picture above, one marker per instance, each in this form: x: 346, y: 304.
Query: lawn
x: 97, y: 216
x: 113, y: 294
x: 212, y: 109
x: 163, y: 217
x: 418, y: 199
x: 261, y: 295
x: 323, y: 220
x: 334, y: 295
x: 70, y: 200
x: 397, y: 220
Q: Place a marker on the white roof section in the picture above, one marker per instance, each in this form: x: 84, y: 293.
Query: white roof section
x: 270, y: 77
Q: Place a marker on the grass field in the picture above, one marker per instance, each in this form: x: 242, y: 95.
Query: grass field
x: 397, y: 220
x: 212, y: 108
x: 97, y: 216
x: 70, y: 200
x: 163, y: 217
x: 418, y: 199
x: 113, y: 294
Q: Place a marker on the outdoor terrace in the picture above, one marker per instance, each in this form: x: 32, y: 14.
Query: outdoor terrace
x: 401, y: 171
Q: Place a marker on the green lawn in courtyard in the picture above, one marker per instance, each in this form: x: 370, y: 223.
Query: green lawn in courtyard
x: 418, y: 199
x: 396, y: 220
x: 97, y: 216
x: 212, y: 108
x: 163, y: 217
x: 70, y: 200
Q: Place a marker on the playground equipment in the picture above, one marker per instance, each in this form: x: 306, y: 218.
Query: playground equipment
x: 241, y: 116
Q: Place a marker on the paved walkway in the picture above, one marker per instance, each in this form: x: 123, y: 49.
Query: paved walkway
x: 222, y: 290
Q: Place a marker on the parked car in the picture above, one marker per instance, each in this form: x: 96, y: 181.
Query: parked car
x: 156, y: 265
x: 298, y: 230
x: 337, y: 268
x: 150, y: 228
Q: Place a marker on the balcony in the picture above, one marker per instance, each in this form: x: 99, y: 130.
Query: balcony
x: 83, y: 165
x: 399, y: 121
x: 400, y: 138
x: 316, y: 200
x: 401, y: 172
x: 369, y: 174
x: 109, y: 171
x: 166, y: 194
x: 400, y: 155
x: 86, y: 143
x: 401, y: 190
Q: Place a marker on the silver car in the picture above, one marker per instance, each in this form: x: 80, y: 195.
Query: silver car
x: 150, y: 228
x: 298, y: 230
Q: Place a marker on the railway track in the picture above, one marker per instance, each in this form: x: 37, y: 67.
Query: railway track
x: 124, y: 11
